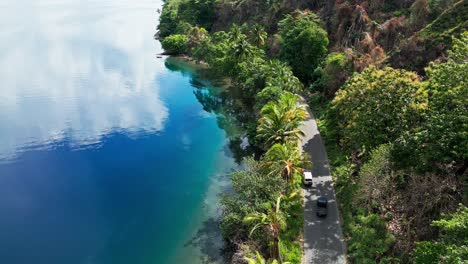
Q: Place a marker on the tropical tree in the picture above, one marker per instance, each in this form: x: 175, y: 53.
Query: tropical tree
x: 275, y: 68
x: 235, y: 33
x: 304, y: 43
x: 273, y: 221
x: 214, y: 50
x: 258, y: 35
x: 334, y: 71
x: 286, y: 160
x: 251, y: 76
x: 442, y: 138
x: 280, y: 121
x: 176, y: 44
x: 259, y: 259
x: 241, y: 48
x: 176, y: 15
x: 168, y: 21
x: 265, y: 80
x: 253, y: 188
x: 377, y: 106
x: 280, y: 74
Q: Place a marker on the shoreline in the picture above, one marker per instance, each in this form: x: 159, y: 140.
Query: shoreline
x: 184, y: 57
x: 204, y: 242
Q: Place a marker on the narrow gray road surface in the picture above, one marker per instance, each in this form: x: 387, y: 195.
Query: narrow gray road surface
x: 323, y: 237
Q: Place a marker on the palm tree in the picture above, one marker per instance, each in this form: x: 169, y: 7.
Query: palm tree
x: 280, y: 121
x: 235, y: 33
x: 241, y: 48
x: 275, y: 126
x: 258, y: 35
x: 273, y: 221
x: 280, y: 75
x: 285, y: 159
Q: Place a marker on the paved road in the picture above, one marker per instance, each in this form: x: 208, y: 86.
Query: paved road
x: 323, y: 237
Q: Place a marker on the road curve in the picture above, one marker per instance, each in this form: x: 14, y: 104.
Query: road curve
x: 323, y: 237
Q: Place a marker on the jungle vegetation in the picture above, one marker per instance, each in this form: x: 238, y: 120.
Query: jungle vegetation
x: 387, y: 81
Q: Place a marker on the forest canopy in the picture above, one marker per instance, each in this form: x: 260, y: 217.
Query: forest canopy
x: 387, y: 83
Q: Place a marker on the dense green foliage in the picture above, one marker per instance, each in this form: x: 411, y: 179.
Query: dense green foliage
x: 453, y: 19
x: 268, y: 88
x: 279, y: 122
x: 176, y: 44
x: 176, y: 14
x: 304, y: 43
x: 397, y: 140
x: 370, y: 240
x: 376, y: 106
x: 443, y: 137
x: 335, y: 70
x: 452, y: 246
x: 407, y: 145
x: 253, y: 189
x: 285, y: 159
x: 261, y: 207
x: 271, y: 179
x: 273, y: 221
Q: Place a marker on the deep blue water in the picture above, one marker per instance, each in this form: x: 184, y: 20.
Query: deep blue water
x: 106, y: 155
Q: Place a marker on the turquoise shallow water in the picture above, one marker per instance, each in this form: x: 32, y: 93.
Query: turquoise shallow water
x: 106, y: 155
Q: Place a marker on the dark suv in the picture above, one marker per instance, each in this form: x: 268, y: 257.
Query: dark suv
x: 322, y: 209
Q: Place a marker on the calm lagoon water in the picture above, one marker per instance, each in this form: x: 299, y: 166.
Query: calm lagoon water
x: 106, y: 155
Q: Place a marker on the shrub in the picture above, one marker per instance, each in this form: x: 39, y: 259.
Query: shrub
x: 336, y: 69
x: 452, y: 246
x: 377, y: 177
x: 291, y: 251
x: 176, y: 44
x: 369, y: 239
x: 252, y: 190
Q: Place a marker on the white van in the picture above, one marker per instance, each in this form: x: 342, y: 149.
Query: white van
x: 307, y: 178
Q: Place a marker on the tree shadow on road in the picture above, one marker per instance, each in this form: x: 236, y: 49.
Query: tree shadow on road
x: 323, y: 235
x: 316, y: 149
x: 323, y: 238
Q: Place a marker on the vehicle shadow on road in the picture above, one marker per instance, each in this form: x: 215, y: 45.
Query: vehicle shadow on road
x: 323, y: 238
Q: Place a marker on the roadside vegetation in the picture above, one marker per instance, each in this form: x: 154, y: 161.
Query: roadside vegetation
x: 388, y: 84
x: 264, y: 217
x: 399, y: 157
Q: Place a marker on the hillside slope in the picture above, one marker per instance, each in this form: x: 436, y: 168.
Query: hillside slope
x: 388, y: 83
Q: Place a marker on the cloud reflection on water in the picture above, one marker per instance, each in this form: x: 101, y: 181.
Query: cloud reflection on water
x: 77, y: 73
